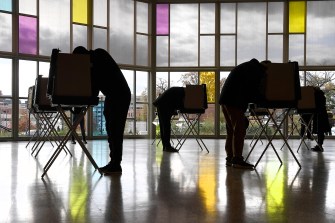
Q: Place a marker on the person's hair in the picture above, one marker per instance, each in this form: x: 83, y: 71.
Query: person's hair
x: 80, y: 50
x: 264, y: 62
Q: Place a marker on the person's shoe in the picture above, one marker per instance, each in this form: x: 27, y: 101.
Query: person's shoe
x: 317, y: 148
x: 170, y: 149
x: 73, y: 142
x: 238, y: 162
x: 229, y: 161
x: 110, y: 169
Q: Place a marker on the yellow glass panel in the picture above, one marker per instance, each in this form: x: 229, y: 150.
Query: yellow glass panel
x: 297, y: 15
x: 80, y: 11
x: 208, y: 78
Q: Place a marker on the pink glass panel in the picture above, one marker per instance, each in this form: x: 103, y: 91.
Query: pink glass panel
x: 27, y: 35
x: 162, y: 25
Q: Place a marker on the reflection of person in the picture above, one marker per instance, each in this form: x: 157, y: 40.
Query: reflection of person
x: 75, y: 115
x: 320, y: 122
x: 108, y: 78
x: 235, y: 197
x: 167, y: 103
x: 242, y: 86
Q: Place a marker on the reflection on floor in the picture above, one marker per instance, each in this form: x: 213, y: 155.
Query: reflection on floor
x: 155, y: 186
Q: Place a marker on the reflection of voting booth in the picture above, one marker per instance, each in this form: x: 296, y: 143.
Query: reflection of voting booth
x: 69, y: 86
x: 282, y: 92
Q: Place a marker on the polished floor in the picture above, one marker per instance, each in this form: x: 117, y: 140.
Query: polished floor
x: 191, y: 186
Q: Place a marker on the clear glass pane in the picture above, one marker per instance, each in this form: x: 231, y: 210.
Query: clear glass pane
x: 142, y: 54
x: 223, y: 77
x: 54, y: 27
x: 227, y: 50
x: 181, y: 79
x: 99, y: 38
x: 320, y: 42
x: 6, y: 117
x: 79, y: 36
x: 27, y: 122
x: 43, y: 69
x: 162, y: 51
x: 6, y: 77
x: 162, y: 14
x: 296, y: 48
x: 184, y: 35
x: 141, y: 86
x: 141, y: 119
x: 207, y: 18
x: 275, y: 48
x: 142, y: 17
x: 207, y: 121
x: 27, y: 35
x: 27, y: 76
x: 207, y: 50
x: 129, y: 128
x: 99, y: 123
x: 251, y: 31
x: 6, y: 32
x: 100, y: 13
x: 176, y: 79
x: 162, y: 82
x: 27, y: 7
x: 275, y: 17
x: 122, y: 31
x: 228, y: 21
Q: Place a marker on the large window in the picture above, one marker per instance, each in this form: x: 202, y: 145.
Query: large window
x: 195, y: 42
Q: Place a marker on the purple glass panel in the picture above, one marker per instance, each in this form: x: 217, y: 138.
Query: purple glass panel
x: 162, y: 25
x: 27, y: 35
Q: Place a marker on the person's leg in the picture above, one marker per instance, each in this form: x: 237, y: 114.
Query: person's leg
x: 230, y: 134
x: 164, y: 116
x: 73, y: 121
x: 115, y: 113
x: 237, y: 125
x: 164, y: 126
x: 82, y: 128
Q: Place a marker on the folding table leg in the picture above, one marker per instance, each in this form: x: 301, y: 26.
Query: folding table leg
x: 72, y: 131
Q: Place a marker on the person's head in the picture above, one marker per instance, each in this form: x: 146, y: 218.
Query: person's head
x: 80, y: 50
x: 264, y: 63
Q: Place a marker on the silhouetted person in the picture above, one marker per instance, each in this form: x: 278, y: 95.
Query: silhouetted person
x: 167, y: 104
x: 75, y: 115
x: 108, y: 78
x: 320, y: 123
x: 242, y: 86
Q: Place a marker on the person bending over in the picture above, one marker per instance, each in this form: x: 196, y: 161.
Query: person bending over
x: 108, y: 78
x: 167, y: 104
x: 242, y: 86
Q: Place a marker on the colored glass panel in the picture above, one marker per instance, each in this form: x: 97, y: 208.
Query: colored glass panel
x: 208, y: 78
x: 162, y: 25
x: 27, y: 35
x: 297, y: 15
x: 6, y: 5
x: 80, y: 11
